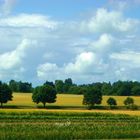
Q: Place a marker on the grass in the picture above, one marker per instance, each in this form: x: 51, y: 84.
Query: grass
x: 67, y: 125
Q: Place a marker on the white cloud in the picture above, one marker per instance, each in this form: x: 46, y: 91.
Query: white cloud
x: 130, y: 58
x: 107, y: 21
x: 48, y: 71
x: 28, y: 20
x: 103, y: 44
x: 83, y: 63
x: 102, y: 48
x: 14, y: 58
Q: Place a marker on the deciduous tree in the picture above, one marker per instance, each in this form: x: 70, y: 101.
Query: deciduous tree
x: 44, y: 94
x: 5, y: 93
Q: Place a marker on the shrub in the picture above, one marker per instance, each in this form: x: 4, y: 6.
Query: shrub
x: 128, y: 101
x: 132, y: 107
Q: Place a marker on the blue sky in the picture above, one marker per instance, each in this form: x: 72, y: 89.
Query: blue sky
x: 87, y: 40
x: 61, y: 9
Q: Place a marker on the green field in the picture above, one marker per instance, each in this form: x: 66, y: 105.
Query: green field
x: 67, y: 126
x: 66, y: 119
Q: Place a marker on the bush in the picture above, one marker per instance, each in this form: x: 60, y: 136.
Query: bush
x: 132, y: 107
x: 128, y: 101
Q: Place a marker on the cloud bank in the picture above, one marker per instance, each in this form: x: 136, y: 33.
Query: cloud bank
x: 103, y: 47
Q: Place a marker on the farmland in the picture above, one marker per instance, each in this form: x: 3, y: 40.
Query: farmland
x: 66, y: 119
x: 25, y: 100
x: 67, y: 125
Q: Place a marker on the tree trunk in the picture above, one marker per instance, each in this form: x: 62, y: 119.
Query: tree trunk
x: 1, y: 104
x: 44, y: 105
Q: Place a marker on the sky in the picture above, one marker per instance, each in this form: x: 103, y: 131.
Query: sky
x: 86, y: 40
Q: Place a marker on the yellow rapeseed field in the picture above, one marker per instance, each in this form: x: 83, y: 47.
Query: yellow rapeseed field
x: 25, y: 99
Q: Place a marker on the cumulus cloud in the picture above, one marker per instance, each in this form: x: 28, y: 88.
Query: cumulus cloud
x: 130, y: 58
x: 99, y: 57
x: 49, y: 71
x: 101, y: 48
x: 103, y: 44
x: 13, y: 58
x: 11, y: 62
x: 105, y: 21
x: 83, y: 63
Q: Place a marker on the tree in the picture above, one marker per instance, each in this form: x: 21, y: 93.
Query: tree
x: 111, y: 102
x: 20, y: 86
x: 44, y: 94
x: 92, y: 96
x: 59, y: 85
x: 5, y: 93
x: 24, y: 87
x: 135, y: 90
x: 13, y: 85
x: 122, y: 88
x: 129, y: 101
x: 76, y: 90
x: 49, y: 84
x: 68, y: 83
x: 106, y: 88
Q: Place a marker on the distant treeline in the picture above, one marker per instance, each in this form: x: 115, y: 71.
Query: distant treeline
x: 120, y: 88
x: 20, y: 86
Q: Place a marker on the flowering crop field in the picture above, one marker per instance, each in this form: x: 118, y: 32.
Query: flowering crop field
x: 25, y: 99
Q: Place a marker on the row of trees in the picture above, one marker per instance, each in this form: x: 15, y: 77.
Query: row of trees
x: 47, y: 94
x: 128, y: 102
x: 93, y: 96
x: 20, y: 86
x: 120, y: 88
x: 44, y: 94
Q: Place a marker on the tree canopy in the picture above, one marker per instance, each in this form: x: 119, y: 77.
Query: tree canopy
x: 20, y: 86
x: 67, y: 86
x: 111, y: 102
x: 129, y: 101
x: 5, y: 93
x: 44, y: 94
x: 92, y: 96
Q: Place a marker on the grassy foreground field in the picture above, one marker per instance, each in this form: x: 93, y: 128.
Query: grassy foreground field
x: 67, y: 125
